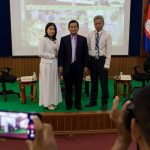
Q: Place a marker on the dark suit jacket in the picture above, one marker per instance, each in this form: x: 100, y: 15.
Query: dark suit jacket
x: 65, y: 53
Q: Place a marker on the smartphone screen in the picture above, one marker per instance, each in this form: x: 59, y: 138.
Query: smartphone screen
x: 17, y: 125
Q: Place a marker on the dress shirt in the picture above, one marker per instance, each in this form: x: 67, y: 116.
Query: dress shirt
x: 105, y: 45
x: 73, y: 44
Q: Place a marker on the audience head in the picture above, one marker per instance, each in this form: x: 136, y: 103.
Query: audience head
x: 140, y: 125
x: 133, y: 120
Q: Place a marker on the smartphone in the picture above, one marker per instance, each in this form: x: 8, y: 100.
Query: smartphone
x: 17, y: 124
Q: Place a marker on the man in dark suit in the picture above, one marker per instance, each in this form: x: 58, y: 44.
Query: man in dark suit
x: 73, y: 62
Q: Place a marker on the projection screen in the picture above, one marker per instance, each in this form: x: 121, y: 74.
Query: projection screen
x: 29, y: 17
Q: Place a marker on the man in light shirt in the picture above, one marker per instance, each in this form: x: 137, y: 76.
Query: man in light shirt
x: 99, y: 48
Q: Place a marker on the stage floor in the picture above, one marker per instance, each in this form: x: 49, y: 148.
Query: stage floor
x: 89, y: 120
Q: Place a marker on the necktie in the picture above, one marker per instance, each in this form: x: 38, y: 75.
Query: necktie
x: 97, y: 44
x: 73, y: 43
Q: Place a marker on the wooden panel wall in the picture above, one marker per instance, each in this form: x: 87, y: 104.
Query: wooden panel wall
x: 21, y: 66
x: 125, y: 64
x: 26, y: 66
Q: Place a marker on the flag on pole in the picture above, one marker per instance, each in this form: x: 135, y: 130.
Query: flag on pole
x: 147, y: 31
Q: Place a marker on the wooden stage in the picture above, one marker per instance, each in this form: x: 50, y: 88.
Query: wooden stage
x: 79, y: 122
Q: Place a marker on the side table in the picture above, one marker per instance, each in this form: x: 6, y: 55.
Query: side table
x: 122, y: 87
x: 22, y: 86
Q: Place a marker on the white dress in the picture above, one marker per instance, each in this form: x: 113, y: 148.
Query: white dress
x: 49, y: 84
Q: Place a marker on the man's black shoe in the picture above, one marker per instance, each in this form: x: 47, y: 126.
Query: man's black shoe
x: 90, y: 104
x: 104, y: 107
x: 78, y: 107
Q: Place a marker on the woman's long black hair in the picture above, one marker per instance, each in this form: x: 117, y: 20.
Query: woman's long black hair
x: 46, y: 34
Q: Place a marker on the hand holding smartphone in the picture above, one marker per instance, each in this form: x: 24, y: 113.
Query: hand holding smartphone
x: 17, y: 124
x: 44, y: 139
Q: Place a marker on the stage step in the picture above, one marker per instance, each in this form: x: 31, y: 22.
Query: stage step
x: 79, y: 122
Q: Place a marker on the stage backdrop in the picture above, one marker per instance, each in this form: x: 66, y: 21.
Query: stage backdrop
x: 117, y: 15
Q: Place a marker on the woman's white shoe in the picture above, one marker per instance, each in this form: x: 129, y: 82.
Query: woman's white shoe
x: 52, y: 107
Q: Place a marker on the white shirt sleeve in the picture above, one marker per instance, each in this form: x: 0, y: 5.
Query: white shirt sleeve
x: 108, y: 51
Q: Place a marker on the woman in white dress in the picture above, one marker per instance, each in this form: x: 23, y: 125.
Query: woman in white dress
x: 49, y: 84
